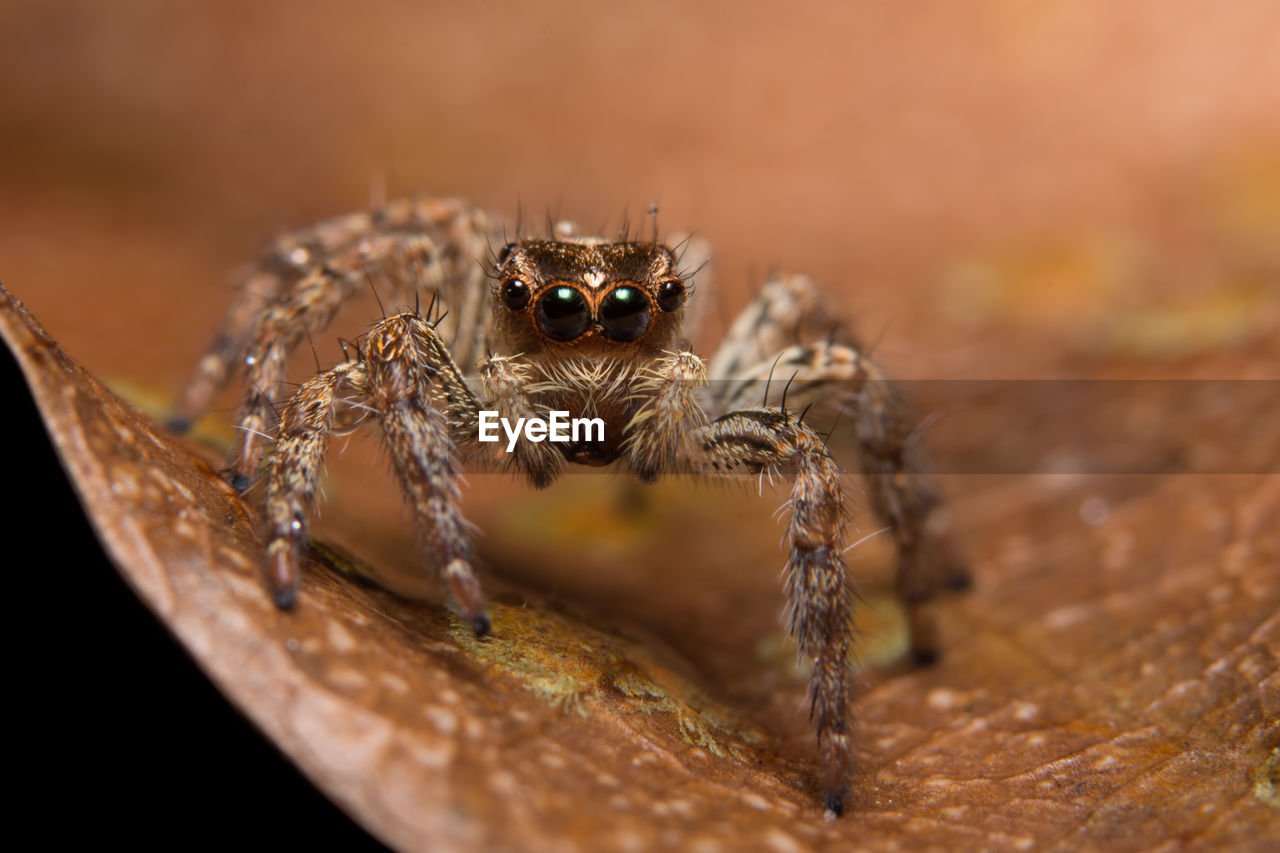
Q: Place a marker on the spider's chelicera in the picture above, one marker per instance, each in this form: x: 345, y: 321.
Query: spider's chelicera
x: 578, y: 328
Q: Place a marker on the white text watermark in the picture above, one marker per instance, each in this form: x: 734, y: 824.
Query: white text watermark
x: 558, y: 427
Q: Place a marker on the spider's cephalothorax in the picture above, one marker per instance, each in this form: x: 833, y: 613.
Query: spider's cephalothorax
x: 594, y: 328
x: 606, y: 301
x: 587, y: 317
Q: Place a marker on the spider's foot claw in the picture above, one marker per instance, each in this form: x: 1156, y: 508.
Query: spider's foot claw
x: 925, y: 655
x: 834, y: 801
x: 283, y: 574
x: 481, y: 624
x: 924, y: 633
x: 959, y: 580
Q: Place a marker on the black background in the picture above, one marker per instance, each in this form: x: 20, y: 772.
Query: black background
x: 117, y: 735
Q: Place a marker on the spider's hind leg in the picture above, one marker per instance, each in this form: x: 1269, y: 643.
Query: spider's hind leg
x: 427, y: 247
x: 906, y: 499
x: 787, y: 344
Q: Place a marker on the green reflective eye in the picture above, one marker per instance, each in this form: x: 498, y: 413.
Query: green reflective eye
x: 562, y: 314
x: 625, y: 314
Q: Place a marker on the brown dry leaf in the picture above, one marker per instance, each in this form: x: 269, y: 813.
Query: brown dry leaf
x: 1108, y: 685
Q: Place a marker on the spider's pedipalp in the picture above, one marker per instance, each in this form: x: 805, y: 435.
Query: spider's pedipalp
x: 506, y: 386
x: 659, y: 433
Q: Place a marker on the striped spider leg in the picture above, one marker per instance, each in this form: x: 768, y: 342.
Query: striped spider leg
x: 422, y: 248
x: 786, y: 344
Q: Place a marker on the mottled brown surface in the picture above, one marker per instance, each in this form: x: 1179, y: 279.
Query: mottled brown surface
x: 995, y: 189
x: 1130, y: 701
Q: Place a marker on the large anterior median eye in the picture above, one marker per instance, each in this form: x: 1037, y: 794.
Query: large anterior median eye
x: 624, y: 314
x: 562, y: 314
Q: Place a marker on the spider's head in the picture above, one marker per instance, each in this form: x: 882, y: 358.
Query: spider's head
x: 587, y: 295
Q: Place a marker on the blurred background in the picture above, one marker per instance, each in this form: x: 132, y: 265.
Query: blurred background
x: 1079, y: 176
x: 994, y: 189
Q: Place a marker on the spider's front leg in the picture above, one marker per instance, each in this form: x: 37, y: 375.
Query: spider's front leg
x: 818, y: 588
x: 670, y: 429
x: 403, y: 369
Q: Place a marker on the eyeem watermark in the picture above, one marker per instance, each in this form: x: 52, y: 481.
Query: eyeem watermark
x: 557, y: 427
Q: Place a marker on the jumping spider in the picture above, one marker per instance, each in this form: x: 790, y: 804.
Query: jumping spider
x: 585, y: 325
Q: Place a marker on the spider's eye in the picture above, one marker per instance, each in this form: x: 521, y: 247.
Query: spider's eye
x: 562, y: 314
x: 514, y: 294
x: 671, y: 295
x: 624, y: 314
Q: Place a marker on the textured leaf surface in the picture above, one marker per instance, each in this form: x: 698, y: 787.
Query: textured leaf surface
x: 1078, y: 189
x: 1112, y: 685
